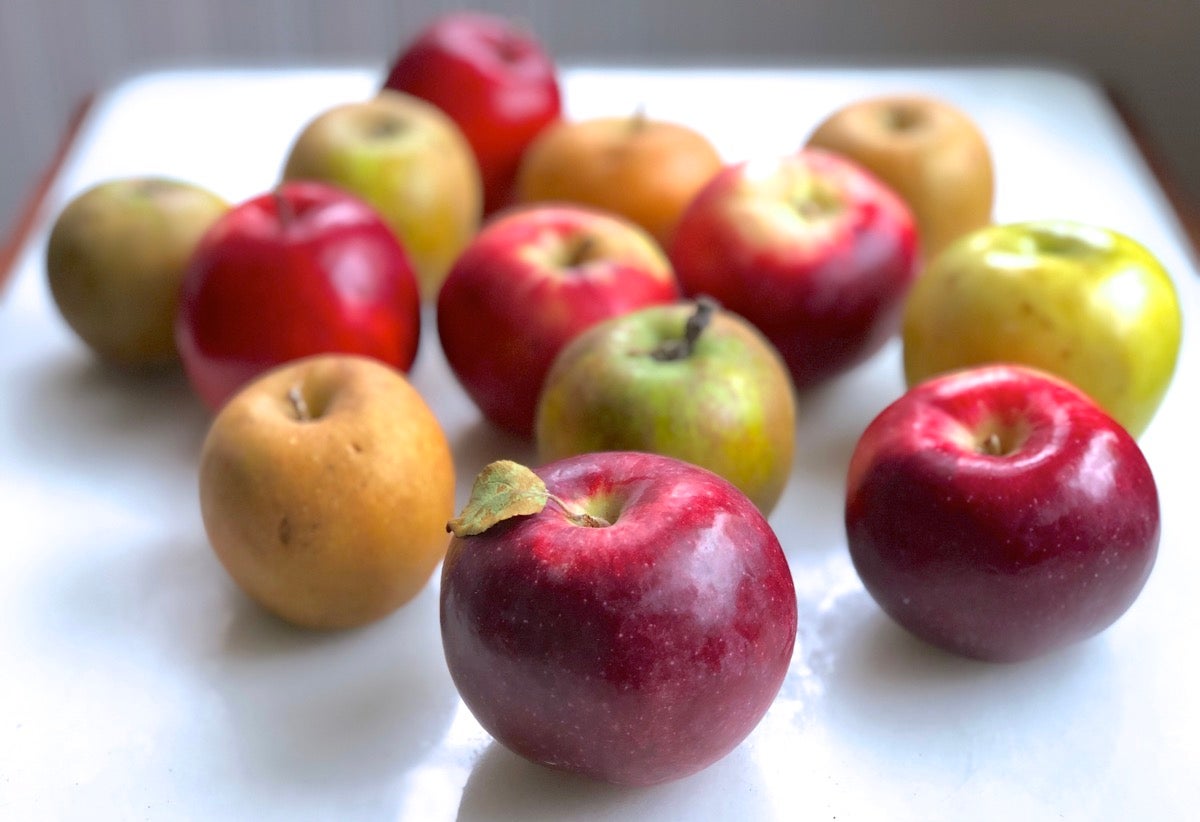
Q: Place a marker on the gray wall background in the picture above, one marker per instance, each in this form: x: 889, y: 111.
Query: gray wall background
x: 54, y: 52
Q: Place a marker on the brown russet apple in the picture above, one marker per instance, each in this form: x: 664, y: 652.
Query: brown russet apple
x: 644, y: 169
x: 115, y: 259
x: 325, y: 488
x: 929, y: 151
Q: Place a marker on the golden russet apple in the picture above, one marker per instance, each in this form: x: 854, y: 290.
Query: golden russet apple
x: 644, y: 169
x: 325, y: 489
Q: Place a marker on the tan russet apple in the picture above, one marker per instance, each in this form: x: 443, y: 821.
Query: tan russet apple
x: 644, y: 169
x: 409, y: 160
x: 929, y: 151
x: 115, y: 260
x: 325, y: 489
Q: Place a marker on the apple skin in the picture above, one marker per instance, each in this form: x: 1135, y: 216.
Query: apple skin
x: 330, y: 512
x: 1087, y: 303
x: 305, y: 269
x: 530, y: 281
x: 407, y: 159
x: 929, y: 151
x: 115, y: 258
x: 494, y: 78
x: 811, y: 248
x: 1000, y: 549
x: 644, y: 169
x: 726, y: 405
x: 635, y: 653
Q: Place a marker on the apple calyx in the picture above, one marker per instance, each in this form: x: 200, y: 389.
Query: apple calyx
x: 505, y: 489
x: 682, y: 348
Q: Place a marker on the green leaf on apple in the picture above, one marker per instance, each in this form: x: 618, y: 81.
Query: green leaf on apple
x: 502, y: 490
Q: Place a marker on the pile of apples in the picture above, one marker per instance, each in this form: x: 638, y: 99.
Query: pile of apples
x: 646, y: 312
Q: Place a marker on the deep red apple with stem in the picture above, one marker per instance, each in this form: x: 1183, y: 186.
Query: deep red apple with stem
x: 1000, y: 513
x: 625, y: 616
x: 304, y: 269
x: 494, y: 78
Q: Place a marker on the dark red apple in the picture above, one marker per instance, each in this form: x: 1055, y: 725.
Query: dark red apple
x: 812, y: 249
x: 634, y: 627
x: 494, y: 78
x: 999, y: 513
x: 304, y: 269
x: 529, y: 282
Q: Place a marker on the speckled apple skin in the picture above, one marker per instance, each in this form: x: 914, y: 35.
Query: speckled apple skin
x: 1001, y: 557
x: 636, y: 653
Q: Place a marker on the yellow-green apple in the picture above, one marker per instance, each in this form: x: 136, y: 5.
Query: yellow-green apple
x: 530, y: 281
x: 1087, y: 303
x: 115, y: 259
x: 928, y: 150
x: 409, y: 160
x: 810, y: 248
x: 645, y: 169
x: 305, y: 269
x: 690, y: 381
x: 325, y: 485
x: 494, y: 78
x: 999, y: 513
x: 631, y: 618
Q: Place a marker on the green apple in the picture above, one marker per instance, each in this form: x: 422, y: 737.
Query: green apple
x: 686, y: 380
x: 409, y: 161
x: 1084, y: 302
x: 115, y: 260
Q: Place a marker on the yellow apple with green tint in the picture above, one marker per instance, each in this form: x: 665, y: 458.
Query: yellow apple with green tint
x: 409, y: 161
x: 687, y: 380
x: 1085, y: 302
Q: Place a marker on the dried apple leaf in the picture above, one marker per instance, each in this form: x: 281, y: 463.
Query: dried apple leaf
x: 502, y: 490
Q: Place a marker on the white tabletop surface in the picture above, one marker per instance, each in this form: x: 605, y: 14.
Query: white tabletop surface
x: 140, y: 684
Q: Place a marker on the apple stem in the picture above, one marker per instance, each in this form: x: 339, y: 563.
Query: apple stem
x: 638, y: 121
x: 298, y: 403
x: 992, y: 445
x: 287, y: 214
x: 577, y: 516
x: 682, y: 348
x: 580, y: 251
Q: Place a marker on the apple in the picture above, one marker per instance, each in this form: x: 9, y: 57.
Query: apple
x: 625, y: 616
x: 407, y: 159
x: 929, y: 151
x: 690, y: 381
x: 494, y: 78
x: 305, y: 269
x: 325, y: 485
x: 999, y: 513
x: 530, y: 281
x: 115, y: 259
x: 1087, y: 303
x: 642, y: 168
x: 810, y: 248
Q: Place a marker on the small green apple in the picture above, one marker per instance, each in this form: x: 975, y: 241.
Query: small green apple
x: 686, y: 380
x: 1084, y: 302
x: 409, y: 161
x: 115, y: 260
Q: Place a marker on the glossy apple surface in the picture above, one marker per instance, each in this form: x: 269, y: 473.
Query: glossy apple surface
x: 494, y: 78
x: 690, y: 381
x: 305, y: 269
x: 928, y: 150
x: 529, y: 282
x: 409, y: 161
x: 637, y: 652
x: 999, y: 513
x: 642, y: 168
x: 325, y: 486
x: 115, y: 258
x: 1087, y: 303
x: 814, y: 251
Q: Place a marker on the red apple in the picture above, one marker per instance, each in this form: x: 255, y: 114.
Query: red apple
x: 529, y: 282
x: 1000, y: 513
x: 305, y: 269
x: 633, y: 625
x: 812, y: 249
x: 495, y: 79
